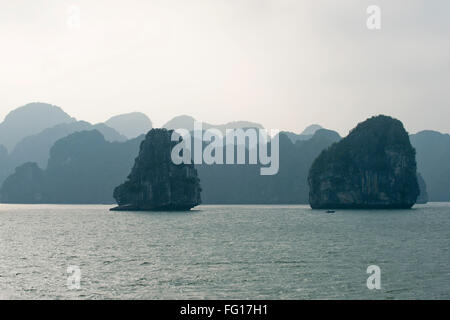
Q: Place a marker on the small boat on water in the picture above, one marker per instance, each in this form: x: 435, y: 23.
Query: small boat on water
x: 330, y: 211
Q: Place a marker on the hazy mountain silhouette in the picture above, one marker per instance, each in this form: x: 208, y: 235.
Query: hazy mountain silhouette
x: 4, y: 163
x: 83, y: 168
x: 305, y: 135
x: 26, y: 185
x: 310, y: 130
x: 433, y: 162
x: 423, y: 195
x: 131, y: 124
x: 187, y: 122
x: 32, y: 130
x: 28, y: 120
x: 40, y: 125
x: 178, y: 122
x: 35, y: 148
x: 243, y: 184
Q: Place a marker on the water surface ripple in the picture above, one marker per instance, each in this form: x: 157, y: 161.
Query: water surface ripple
x: 224, y: 252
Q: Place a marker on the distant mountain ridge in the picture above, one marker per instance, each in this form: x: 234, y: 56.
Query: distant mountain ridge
x: 35, y: 148
x: 433, y: 162
x: 28, y: 133
x: 243, y: 184
x: 311, y: 130
x: 306, y: 134
x: 131, y: 124
x: 187, y: 122
x: 28, y: 120
x: 83, y: 168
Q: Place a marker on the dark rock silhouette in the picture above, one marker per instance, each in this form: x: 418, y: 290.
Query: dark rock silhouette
x: 433, y: 162
x: 373, y: 167
x: 155, y: 182
x: 131, y: 124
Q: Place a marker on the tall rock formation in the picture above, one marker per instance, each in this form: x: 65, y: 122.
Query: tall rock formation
x: 373, y: 167
x: 155, y: 182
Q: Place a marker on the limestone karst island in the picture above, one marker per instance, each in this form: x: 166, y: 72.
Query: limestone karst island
x: 374, y: 167
x: 155, y: 183
x: 378, y: 165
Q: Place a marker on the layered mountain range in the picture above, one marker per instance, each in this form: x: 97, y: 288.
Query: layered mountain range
x: 47, y: 156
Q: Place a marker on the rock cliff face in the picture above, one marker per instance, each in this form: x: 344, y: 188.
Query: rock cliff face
x: 373, y: 167
x: 155, y: 182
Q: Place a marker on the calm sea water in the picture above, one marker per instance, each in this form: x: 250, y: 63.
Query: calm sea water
x: 224, y: 252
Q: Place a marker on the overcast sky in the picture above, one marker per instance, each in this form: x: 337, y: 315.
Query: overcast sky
x: 283, y: 63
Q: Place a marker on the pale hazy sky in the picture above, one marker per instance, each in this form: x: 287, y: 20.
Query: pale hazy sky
x: 282, y: 63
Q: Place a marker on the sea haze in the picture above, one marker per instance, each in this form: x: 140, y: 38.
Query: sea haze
x: 224, y: 252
